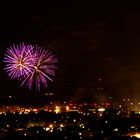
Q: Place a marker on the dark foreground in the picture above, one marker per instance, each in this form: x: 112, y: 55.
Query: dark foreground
x: 69, y: 125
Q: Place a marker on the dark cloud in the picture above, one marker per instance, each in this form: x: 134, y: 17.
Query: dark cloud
x: 103, y: 40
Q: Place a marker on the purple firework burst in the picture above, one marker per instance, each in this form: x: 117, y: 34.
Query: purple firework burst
x: 32, y: 66
x: 44, y: 69
x: 19, y: 61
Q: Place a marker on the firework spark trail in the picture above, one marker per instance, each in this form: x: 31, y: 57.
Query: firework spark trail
x: 32, y: 66
x: 18, y: 60
x: 44, y: 69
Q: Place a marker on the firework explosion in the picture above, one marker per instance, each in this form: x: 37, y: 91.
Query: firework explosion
x: 32, y: 66
x: 19, y: 61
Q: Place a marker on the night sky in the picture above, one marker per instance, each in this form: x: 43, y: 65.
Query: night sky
x: 102, y: 41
